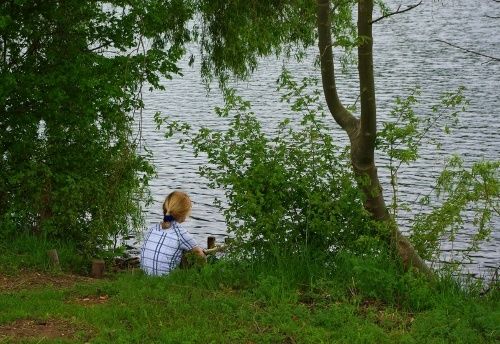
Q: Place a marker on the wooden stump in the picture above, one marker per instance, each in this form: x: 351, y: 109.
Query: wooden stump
x: 53, y: 257
x: 210, y: 242
x: 97, y: 268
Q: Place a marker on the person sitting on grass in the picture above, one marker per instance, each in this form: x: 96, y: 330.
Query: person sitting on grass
x: 165, y: 242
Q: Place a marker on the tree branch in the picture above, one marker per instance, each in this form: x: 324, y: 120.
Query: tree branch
x: 469, y: 51
x: 366, y: 80
x: 4, y: 50
x: 342, y: 116
x: 398, y: 11
x: 105, y: 44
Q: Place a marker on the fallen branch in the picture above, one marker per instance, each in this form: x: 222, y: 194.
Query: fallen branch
x: 470, y: 51
x: 398, y: 11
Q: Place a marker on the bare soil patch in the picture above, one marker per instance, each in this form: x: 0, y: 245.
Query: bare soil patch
x: 41, y: 329
x: 32, y: 280
x: 92, y: 300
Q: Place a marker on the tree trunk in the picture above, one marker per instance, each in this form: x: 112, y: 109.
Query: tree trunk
x: 362, y: 132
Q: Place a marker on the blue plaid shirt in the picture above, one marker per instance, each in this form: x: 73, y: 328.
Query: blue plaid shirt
x: 162, y: 249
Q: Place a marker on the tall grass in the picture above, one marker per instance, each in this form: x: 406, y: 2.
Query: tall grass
x: 28, y: 251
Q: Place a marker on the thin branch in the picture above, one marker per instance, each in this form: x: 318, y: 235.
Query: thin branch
x: 4, y: 50
x: 469, y: 51
x: 356, y: 101
x: 398, y: 11
x: 103, y: 45
x: 492, y: 17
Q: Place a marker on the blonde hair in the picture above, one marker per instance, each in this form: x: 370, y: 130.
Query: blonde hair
x: 178, y: 205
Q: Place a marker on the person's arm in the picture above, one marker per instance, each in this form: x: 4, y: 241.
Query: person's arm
x: 199, y: 252
x: 188, y: 244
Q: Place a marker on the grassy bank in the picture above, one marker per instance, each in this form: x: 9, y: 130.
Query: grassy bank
x: 355, y: 300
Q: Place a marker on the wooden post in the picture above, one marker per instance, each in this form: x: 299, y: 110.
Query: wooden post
x: 53, y: 257
x: 210, y: 242
x: 97, y: 268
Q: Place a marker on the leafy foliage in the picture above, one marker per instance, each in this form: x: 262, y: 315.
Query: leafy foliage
x: 288, y: 192
x: 233, y: 35
x: 458, y: 189
x: 71, y: 77
x: 406, y: 131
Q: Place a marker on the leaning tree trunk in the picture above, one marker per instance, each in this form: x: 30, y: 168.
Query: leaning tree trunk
x: 362, y: 132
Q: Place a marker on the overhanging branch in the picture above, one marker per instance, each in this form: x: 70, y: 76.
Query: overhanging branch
x: 469, y: 51
x: 398, y: 11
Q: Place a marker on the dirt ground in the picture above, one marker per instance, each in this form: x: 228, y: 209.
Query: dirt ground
x: 91, y: 300
x: 32, y: 280
x: 39, y: 330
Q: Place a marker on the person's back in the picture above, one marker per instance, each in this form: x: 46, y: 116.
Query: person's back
x: 165, y: 243
x: 162, y: 249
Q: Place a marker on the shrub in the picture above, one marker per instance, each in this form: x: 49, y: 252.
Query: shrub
x: 71, y: 87
x: 287, y: 192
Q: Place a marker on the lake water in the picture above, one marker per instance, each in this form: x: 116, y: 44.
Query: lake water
x: 407, y: 54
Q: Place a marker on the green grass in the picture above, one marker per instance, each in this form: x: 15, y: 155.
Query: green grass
x: 355, y: 300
